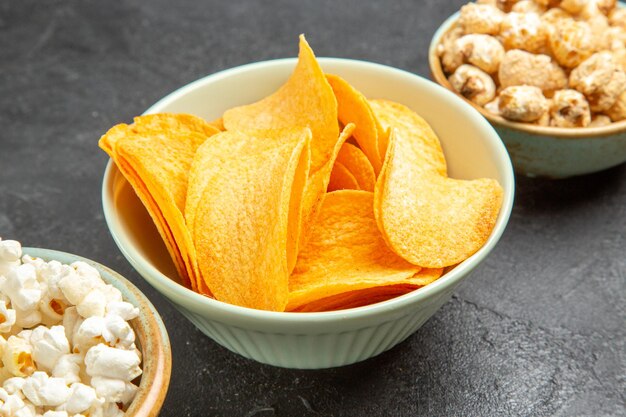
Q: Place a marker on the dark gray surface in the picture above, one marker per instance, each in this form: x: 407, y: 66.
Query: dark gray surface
x: 538, y: 330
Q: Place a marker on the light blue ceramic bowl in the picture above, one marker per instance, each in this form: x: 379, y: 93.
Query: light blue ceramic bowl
x: 152, y: 339
x: 326, y: 339
x: 540, y: 151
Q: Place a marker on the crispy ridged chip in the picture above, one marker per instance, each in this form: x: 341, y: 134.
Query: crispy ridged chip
x: 243, y: 211
x: 411, y: 126
x: 155, y: 154
x: 425, y: 217
x: 355, y: 161
x: 342, y: 179
x: 346, y: 252
x: 353, y: 107
x: 305, y: 100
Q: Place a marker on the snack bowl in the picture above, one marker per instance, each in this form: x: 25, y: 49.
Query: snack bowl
x: 323, y: 339
x: 152, y: 339
x: 545, y: 151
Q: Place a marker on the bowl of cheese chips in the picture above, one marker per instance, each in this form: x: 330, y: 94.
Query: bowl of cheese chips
x: 307, y: 213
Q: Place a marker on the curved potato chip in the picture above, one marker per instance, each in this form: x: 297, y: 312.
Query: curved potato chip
x: 342, y: 179
x: 245, y: 221
x: 353, y: 107
x: 305, y: 100
x: 355, y: 161
x: 429, y: 219
x: 411, y: 126
x: 155, y: 154
x: 346, y: 252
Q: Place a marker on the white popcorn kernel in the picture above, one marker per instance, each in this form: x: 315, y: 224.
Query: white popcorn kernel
x: 27, y: 318
x: 93, y: 304
x: 125, y: 310
x: 89, y: 334
x: 17, y: 357
x: 38, y: 263
x: 7, y: 317
x: 76, y: 286
x: 68, y: 368
x: 49, y: 344
x: 102, y: 360
x: 41, y: 390
x: 10, y: 251
x: 71, y: 323
x: 52, y: 413
x: 28, y: 410
x: 12, y: 404
x: 22, y: 287
x: 14, y: 385
x: 111, y: 410
x: 118, y: 332
x: 114, y: 390
x: 112, y: 294
x: 82, y: 397
x: 53, y: 308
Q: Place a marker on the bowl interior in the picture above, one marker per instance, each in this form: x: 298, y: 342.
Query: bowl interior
x: 471, y: 146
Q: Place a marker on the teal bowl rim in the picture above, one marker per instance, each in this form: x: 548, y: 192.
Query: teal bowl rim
x: 249, y: 317
x: 602, y: 132
x: 152, y: 388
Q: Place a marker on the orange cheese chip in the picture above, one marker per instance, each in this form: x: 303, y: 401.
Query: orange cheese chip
x: 353, y: 107
x: 425, y: 217
x: 342, y: 179
x: 244, y: 205
x: 155, y: 154
x: 305, y: 100
x: 355, y: 161
x: 346, y: 252
x: 411, y: 126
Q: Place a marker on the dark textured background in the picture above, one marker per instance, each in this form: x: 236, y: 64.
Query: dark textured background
x: 538, y: 330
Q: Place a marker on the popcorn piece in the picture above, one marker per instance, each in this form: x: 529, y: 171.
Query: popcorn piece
x: 118, y: 332
x: 10, y: 251
x: 569, y: 108
x: 600, y: 120
x: 480, y: 18
x: 600, y: 80
x: 125, y: 310
x: 102, y: 360
x: 17, y: 357
x: 93, y: 304
x: 82, y: 397
x: 450, y: 59
x: 22, y: 287
x: 27, y: 411
x: 111, y: 410
x: 11, y: 404
x: 52, y: 308
x: 544, y: 120
x: 482, y: 51
x: 26, y: 318
x: 49, y: 344
x: 68, y: 368
x: 573, y: 6
x: 528, y: 6
x: 114, y: 390
x: 617, y: 112
x: 112, y: 294
x: 523, y: 31
x: 553, y: 16
x: 522, y: 68
x: 7, y: 318
x: 89, y: 334
x: 571, y: 42
x: 473, y: 84
x: 522, y: 103
x: 51, y: 413
x: 75, y: 287
x: 71, y: 322
x: 41, y: 390
x: 506, y: 5
x: 617, y: 17
x: 13, y: 386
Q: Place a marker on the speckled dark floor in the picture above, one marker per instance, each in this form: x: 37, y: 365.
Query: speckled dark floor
x: 539, y: 330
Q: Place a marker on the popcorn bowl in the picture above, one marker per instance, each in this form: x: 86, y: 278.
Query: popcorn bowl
x: 324, y: 339
x: 544, y: 151
x: 152, y: 338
